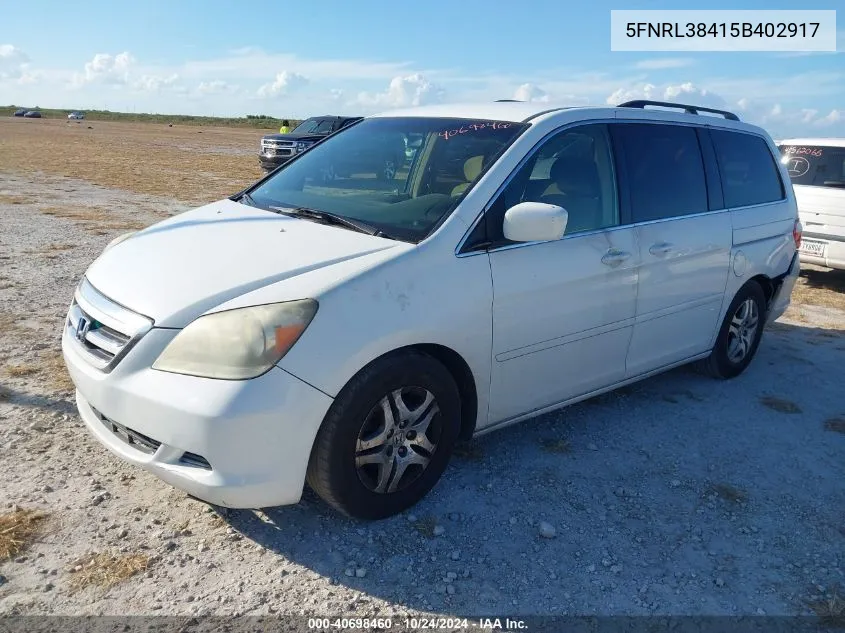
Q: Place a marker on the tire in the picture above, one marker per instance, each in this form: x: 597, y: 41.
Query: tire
x: 737, y: 342
x: 357, y: 453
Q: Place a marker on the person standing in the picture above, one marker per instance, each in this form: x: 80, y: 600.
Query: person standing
x: 285, y: 127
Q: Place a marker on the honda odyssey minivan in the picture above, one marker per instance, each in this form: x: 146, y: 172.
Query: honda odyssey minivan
x: 340, y: 328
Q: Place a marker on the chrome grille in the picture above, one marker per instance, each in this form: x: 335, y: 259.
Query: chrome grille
x: 274, y: 147
x: 104, y: 330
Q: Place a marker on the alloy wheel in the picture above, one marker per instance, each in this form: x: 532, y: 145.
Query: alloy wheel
x: 398, y: 439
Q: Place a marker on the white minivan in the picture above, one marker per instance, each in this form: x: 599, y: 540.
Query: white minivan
x: 817, y: 169
x: 347, y: 331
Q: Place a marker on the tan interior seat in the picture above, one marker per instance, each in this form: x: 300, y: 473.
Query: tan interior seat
x: 472, y: 169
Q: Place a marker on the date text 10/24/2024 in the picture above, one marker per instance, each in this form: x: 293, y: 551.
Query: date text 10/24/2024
x: 417, y: 624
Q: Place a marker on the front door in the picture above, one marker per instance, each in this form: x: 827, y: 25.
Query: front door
x: 563, y: 311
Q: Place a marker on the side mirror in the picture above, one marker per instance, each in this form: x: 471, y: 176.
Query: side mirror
x: 535, y: 222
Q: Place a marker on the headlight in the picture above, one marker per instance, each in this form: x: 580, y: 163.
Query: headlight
x: 237, y: 344
x: 301, y: 146
x: 118, y: 240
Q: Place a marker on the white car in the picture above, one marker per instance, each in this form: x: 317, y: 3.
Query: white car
x: 349, y: 332
x: 76, y: 116
x: 817, y: 169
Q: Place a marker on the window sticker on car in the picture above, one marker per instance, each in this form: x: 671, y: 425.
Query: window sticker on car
x: 805, y: 151
x: 797, y: 166
x: 474, y: 127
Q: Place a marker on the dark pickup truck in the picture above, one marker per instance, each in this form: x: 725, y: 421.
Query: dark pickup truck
x: 277, y: 149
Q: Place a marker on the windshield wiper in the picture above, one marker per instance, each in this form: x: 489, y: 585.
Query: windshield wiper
x: 332, y: 218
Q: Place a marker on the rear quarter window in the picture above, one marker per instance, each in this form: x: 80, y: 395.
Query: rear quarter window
x: 815, y: 165
x: 748, y: 170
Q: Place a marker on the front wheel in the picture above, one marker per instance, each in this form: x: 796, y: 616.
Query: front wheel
x: 740, y: 334
x: 387, y: 437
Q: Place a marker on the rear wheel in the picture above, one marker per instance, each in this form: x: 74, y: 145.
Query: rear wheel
x: 387, y: 437
x: 740, y: 334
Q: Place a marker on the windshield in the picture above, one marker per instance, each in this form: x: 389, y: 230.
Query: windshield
x: 815, y: 165
x: 401, y: 175
x: 314, y: 126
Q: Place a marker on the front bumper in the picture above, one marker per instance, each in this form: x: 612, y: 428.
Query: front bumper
x: 271, y: 162
x: 237, y: 444
x: 780, y: 302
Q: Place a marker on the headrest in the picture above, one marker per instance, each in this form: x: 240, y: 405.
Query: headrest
x: 472, y: 167
x: 576, y: 176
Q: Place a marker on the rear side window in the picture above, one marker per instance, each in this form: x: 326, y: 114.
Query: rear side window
x: 664, y: 168
x: 815, y: 165
x: 748, y: 170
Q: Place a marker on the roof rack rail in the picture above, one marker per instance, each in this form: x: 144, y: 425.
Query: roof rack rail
x: 508, y: 101
x: 689, y: 109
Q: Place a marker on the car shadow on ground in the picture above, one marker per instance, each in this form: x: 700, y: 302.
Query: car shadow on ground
x: 660, y: 493
x: 825, y: 279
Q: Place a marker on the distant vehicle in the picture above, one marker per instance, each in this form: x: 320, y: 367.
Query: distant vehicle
x: 20, y: 112
x: 816, y: 167
x: 76, y: 116
x: 277, y: 149
x: 32, y: 114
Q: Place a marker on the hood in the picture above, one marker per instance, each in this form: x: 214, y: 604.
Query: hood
x: 296, y: 137
x: 178, y: 269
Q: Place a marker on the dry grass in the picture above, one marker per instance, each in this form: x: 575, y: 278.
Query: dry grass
x: 51, y: 368
x: 558, y: 446
x: 55, y: 373
x: 106, y: 570
x: 7, y: 199
x: 95, y: 219
x: 19, y: 371
x: 836, y: 425
x: 821, y: 287
x: 17, y: 531
x: 727, y: 492
x: 425, y: 526
x: 145, y: 158
x: 780, y: 405
x: 470, y: 451
x: 830, y: 609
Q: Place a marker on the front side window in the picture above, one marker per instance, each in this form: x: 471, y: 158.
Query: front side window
x: 748, y: 171
x: 574, y: 170
x: 366, y: 173
x: 665, y: 170
x: 815, y: 165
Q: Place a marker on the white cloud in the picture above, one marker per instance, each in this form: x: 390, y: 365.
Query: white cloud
x: 13, y: 62
x: 215, y: 87
x: 285, y: 83
x: 155, y: 83
x: 681, y: 93
x: 530, y: 92
x: 835, y: 116
x: 410, y: 90
x: 664, y: 63
x: 106, y: 68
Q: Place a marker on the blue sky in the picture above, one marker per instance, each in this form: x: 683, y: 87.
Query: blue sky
x: 297, y: 59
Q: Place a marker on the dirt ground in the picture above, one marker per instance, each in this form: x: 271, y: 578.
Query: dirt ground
x: 677, y: 496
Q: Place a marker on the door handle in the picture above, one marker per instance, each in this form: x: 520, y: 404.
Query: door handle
x: 660, y: 249
x: 614, y: 257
